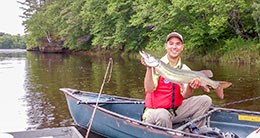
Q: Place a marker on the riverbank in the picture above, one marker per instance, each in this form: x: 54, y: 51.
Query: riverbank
x: 242, y: 52
x: 234, y: 51
x: 246, y: 55
x: 238, y: 56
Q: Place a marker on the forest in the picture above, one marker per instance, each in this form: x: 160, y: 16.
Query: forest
x: 213, y: 26
x: 8, y: 41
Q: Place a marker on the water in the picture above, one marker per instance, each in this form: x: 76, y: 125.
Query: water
x: 30, y: 85
x: 12, y: 73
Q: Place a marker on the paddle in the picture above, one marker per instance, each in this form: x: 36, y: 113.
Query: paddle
x: 112, y: 102
x: 142, y: 102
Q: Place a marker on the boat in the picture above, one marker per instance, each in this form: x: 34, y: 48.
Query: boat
x: 120, y: 117
x: 57, y: 132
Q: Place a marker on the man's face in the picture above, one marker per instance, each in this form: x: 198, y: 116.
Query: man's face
x: 174, y: 47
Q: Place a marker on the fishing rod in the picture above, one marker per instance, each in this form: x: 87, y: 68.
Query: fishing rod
x: 216, y: 108
x: 238, y: 101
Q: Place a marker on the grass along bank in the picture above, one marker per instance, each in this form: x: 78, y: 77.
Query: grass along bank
x: 237, y: 51
x: 234, y: 51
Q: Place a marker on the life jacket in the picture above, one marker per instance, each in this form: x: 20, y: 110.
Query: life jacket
x: 167, y: 95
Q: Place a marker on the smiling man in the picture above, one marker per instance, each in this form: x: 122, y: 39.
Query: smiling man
x: 167, y: 103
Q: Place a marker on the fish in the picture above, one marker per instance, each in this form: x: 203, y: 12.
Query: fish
x: 181, y: 76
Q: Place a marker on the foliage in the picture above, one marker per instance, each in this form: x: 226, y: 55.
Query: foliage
x: 131, y: 25
x: 256, y: 16
x: 8, y: 41
x: 70, y: 27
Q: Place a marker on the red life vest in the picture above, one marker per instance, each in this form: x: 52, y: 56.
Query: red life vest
x: 163, y: 96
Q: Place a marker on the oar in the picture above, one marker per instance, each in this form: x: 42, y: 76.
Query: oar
x: 112, y: 102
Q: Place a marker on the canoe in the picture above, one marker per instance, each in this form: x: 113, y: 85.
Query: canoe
x: 58, y: 132
x: 120, y: 117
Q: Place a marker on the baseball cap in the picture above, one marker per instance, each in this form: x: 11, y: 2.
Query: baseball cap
x: 174, y: 34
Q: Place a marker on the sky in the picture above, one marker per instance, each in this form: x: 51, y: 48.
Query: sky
x: 10, y: 22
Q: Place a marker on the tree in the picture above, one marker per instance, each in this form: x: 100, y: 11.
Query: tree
x: 138, y: 24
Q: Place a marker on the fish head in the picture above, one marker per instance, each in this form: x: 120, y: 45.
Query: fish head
x: 149, y: 60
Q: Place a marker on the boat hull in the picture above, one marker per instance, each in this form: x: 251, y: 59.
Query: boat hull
x: 108, y: 125
x: 121, y: 117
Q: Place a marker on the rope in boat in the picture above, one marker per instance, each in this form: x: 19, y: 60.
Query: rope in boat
x: 109, y: 67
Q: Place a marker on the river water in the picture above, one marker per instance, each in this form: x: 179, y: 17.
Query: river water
x: 30, y: 85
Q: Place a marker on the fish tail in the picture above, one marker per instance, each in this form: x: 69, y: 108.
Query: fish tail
x: 219, y: 90
x: 205, y: 88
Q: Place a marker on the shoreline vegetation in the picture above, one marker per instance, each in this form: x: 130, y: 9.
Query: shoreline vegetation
x: 238, y: 51
x: 240, y: 54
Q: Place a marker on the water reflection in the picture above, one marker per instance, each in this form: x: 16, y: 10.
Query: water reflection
x: 47, y: 107
x: 245, y: 79
x: 31, y: 81
x: 12, y: 72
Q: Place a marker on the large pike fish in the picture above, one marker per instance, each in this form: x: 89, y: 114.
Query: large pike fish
x: 185, y: 76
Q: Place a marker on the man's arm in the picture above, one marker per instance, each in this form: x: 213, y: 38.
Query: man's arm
x: 148, y: 80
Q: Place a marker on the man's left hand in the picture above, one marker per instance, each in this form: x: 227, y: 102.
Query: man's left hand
x: 195, y: 83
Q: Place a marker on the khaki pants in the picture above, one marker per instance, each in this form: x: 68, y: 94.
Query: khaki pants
x: 191, y: 108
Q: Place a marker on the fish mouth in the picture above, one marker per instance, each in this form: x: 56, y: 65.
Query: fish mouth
x: 143, y: 54
x: 149, y: 59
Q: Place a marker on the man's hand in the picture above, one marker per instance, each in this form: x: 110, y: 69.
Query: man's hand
x: 195, y: 83
x: 143, y: 62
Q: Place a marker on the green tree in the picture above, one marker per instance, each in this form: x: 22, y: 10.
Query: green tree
x: 138, y: 24
x: 70, y: 26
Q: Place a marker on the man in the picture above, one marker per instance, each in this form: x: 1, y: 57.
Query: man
x: 178, y: 104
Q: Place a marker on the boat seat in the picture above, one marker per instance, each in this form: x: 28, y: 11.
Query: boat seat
x: 129, y: 110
